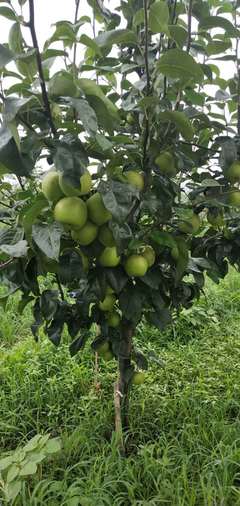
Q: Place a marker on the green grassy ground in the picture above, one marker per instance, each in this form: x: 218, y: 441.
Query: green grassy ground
x: 185, y: 442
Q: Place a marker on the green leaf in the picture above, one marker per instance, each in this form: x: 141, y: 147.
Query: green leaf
x: 182, y: 261
x: 13, y: 105
x: 219, y: 22
x: 106, y: 111
x: 28, y: 216
x: 181, y: 121
x: 178, y: 64
x: 48, y: 238
x: 138, y: 18
x: 87, y: 41
x: 86, y: 114
x: 28, y: 469
x: 8, y: 13
x: 103, y: 142
x: 10, y: 158
x: 70, y: 158
x: 13, y: 472
x: 5, y: 56
x: 118, y: 198
x: 64, y: 32
x: 163, y: 239
x: 5, y: 463
x: 53, y: 446
x: 159, y: 17
x: 179, y: 34
x: 17, y: 250
x: 111, y: 37
x: 12, y: 490
x: 218, y: 47
x: 159, y: 319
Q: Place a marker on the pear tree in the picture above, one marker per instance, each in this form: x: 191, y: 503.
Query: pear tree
x: 119, y: 169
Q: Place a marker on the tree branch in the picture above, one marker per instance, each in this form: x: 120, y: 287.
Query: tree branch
x: 75, y: 44
x: 47, y: 108
x: 189, y: 39
x: 146, y: 132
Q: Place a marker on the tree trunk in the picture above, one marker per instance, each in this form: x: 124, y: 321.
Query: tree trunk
x: 125, y: 373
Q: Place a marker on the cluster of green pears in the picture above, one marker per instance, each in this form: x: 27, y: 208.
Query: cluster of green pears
x: 86, y: 218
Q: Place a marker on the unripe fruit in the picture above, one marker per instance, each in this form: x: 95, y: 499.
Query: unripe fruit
x: 108, y: 356
x: 113, y: 319
x: 165, y: 162
x: 135, y: 179
x: 233, y: 172
x: 86, y: 234
x: 50, y: 186
x: 84, y: 187
x: 136, y: 265
x: 109, y: 257
x: 191, y: 225
x: 71, y: 210
x: 97, y: 210
x: 105, y: 236
x: 215, y: 218
x: 138, y: 378
x: 234, y: 198
x: 103, y: 348
x: 107, y: 303
x: 149, y: 254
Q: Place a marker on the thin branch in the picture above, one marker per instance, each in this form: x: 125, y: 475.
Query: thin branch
x: 75, y: 44
x: 147, y: 129
x: 60, y: 287
x: 20, y: 182
x: 199, y: 146
x: 47, y: 108
x: 146, y: 45
x: 6, y: 264
x: 189, y: 39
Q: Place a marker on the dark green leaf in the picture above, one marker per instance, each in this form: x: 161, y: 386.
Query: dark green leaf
x: 13, y: 105
x: 118, y: 198
x: 181, y: 122
x: 219, y: 22
x: 159, y: 17
x: 178, y: 64
x: 70, y: 158
x: 86, y: 114
x: 8, y: 13
x: 111, y: 37
x: 48, y: 237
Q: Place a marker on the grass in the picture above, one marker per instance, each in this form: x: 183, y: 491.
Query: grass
x: 185, y: 444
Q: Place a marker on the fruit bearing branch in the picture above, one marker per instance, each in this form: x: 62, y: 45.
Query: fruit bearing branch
x: 31, y: 25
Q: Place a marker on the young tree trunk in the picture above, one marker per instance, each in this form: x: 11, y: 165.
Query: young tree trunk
x: 124, y: 373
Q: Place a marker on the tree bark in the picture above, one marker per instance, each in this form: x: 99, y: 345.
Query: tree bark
x: 125, y: 366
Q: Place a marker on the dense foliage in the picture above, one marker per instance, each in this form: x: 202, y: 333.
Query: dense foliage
x: 143, y: 194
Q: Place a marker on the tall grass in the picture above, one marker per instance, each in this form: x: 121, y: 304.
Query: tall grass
x: 184, y: 447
